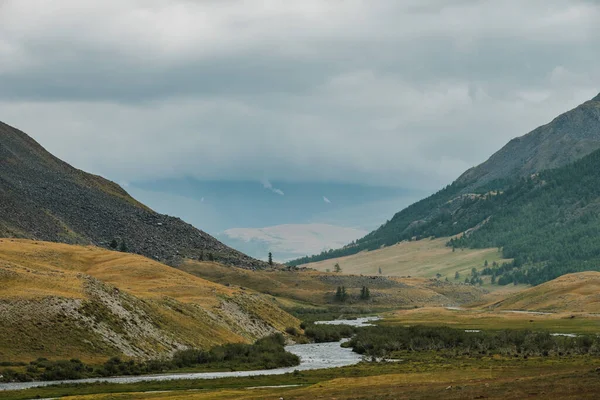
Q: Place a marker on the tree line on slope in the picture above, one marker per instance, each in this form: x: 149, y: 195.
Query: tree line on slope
x: 549, y: 223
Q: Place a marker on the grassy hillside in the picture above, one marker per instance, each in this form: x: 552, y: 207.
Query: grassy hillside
x: 570, y: 293
x: 423, y: 258
x: 62, y: 301
x: 301, y: 288
x: 568, y: 138
x: 548, y: 223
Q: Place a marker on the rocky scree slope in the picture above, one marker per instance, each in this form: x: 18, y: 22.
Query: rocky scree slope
x: 44, y: 198
x: 568, y: 138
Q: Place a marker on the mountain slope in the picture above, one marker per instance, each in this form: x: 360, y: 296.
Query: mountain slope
x: 572, y: 293
x: 549, y: 222
x: 567, y: 138
x: 423, y: 258
x: 63, y: 301
x: 44, y: 198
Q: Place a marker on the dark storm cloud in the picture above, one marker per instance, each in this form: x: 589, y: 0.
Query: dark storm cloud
x: 387, y: 92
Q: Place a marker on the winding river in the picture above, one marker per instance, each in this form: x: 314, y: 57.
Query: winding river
x: 312, y: 356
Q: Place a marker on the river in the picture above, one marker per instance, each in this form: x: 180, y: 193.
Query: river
x: 312, y: 356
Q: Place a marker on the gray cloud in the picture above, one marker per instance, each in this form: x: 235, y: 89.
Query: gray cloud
x: 401, y: 93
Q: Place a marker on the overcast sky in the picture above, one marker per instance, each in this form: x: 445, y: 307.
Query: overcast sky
x: 401, y: 93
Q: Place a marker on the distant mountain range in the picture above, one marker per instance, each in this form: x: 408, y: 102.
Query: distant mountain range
x: 538, y: 188
x: 44, y: 198
x: 289, y: 241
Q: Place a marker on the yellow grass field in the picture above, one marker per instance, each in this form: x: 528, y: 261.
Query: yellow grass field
x: 564, y: 322
x: 570, y: 293
x: 63, y: 301
x: 423, y: 258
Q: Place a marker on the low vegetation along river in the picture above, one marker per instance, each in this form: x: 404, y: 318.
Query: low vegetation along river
x: 312, y: 356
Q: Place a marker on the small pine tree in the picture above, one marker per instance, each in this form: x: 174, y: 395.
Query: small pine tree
x: 380, y: 272
x: 438, y: 275
x: 123, y: 247
x: 344, y: 294
x: 485, y: 264
x: 338, y: 293
x: 211, y: 257
x: 337, y: 268
x: 114, y: 244
x: 456, y: 275
x: 365, y: 294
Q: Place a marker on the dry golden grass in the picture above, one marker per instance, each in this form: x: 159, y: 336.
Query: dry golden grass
x: 52, y: 269
x: 317, y: 288
x: 570, y: 293
x: 423, y: 258
x: 495, y: 319
x: 58, y: 301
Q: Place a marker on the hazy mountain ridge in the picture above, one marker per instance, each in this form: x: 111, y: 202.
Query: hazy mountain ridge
x: 290, y: 240
x: 44, y: 198
x: 569, y: 137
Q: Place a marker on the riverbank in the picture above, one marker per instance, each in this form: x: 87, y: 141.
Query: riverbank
x: 313, y: 356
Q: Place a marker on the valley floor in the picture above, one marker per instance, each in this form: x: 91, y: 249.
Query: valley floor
x: 411, y: 375
x: 421, y: 376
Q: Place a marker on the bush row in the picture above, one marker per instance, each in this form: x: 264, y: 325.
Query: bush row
x: 265, y: 353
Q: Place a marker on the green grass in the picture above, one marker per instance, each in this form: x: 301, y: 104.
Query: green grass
x: 418, y: 368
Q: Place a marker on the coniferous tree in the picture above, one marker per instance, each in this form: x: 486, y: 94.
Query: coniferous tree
x: 270, y: 259
x: 344, y: 294
x: 123, y: 247
x: 337, y: 267
x: 365, y: 293
x: 114, y: 244
x: 338, y: 293
x: 456, y: 275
